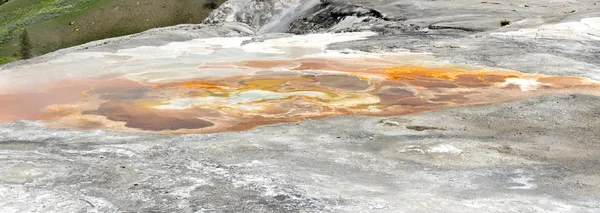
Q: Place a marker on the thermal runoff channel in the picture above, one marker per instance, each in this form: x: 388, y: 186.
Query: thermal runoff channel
x: 232, y: 84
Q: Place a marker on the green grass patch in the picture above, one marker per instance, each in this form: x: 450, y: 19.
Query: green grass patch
x: 504, y: 22
x: 56, y: 24
x: 6, y: 59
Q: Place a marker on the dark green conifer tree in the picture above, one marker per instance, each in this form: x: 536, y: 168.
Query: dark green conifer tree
x: 25, y: 45
x: 211, y: 4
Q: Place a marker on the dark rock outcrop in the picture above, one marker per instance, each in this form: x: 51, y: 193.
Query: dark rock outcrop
x: 329, y: 13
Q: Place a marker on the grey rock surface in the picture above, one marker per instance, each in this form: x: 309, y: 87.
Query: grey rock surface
x: 534, y: 155
x: 538, y: 154
x: 466, y: 31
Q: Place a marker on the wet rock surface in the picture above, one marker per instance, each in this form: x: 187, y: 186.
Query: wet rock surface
x: 254, y: 13
x: 537, y: 154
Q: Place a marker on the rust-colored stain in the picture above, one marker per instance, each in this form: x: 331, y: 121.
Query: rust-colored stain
x: 309, y: 88
x: 195, y: 85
